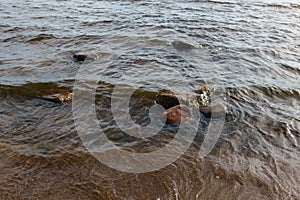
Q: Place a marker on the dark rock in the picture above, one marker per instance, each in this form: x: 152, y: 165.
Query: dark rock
x: 167, y: 99
x: 215, y: 111
x: 82, y: 56
x: 182, y: 46
x: 139, y: 61
x: 58, y: 96
x: 200, y: 100
x: 79, y: 57
x: 177, y: 113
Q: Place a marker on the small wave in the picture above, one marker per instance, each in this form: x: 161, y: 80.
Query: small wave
x: 273, y: 91
x: 17, y: 38
x: 290, y: 68
x: 215, y: 1
x: 30, y: 90
x: 279, y: 6
x: 40, y: 38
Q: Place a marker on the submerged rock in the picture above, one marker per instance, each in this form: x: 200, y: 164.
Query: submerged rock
x: 182, y: 46
x: 58, y: 96
x: 177, y: 113
x: 213, y: 110
x: 82, y: 56
x: 79, y: 57
x: 206, y: 106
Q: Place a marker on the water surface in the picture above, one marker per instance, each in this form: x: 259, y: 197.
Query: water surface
x: 248, y: 48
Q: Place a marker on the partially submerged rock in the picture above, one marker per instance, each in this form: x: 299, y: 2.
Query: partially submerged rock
x: 206, y: 106
x: 203, y: 96
x: 178, y: 114
x: 201, y: 99
x: 82, y: 56
x: 167, y: 99
x: 79, y: 57
x: 58, y: 96
x: 214, y: 110
x: 204, y: 90
x: 139, y: 61
x: 182, y: 46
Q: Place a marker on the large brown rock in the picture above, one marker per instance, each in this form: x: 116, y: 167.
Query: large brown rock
x: 178, y: 114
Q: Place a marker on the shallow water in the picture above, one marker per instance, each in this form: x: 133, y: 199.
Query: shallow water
x: 248, y: 49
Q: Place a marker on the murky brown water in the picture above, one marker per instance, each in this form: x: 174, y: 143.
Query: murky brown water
x: 250, y: 49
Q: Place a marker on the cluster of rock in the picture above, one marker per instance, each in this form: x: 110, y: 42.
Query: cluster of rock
x: 177, y: 105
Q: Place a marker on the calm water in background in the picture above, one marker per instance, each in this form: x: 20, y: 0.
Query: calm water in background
x: 250, y: 48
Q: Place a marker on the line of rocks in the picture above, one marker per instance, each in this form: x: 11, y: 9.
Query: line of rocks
x: 176, y: 105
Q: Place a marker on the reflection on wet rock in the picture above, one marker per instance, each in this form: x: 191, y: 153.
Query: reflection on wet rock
x: 203, y: 95
x: 58, y: 96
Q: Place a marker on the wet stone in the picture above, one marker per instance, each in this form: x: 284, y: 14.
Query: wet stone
x: 167, y: 99
x: 204, y: 90
x: 82, y: 56
x: 182, y: 46
x: 213, y: 111
x: 201, y: 99
x: 178, y: 114
x: 79, y: 57
x: 59, y: 96
x: 203, y: 95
